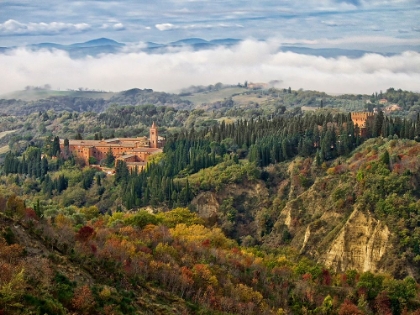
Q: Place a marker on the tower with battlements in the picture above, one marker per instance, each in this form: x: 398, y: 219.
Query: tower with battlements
x: 362, y: 119
x: 154, y: 137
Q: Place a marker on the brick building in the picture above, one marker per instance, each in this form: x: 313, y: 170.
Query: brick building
x: 134, y: 151
x: 362, y: 119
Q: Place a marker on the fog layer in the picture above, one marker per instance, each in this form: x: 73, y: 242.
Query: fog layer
x: 250, y: 61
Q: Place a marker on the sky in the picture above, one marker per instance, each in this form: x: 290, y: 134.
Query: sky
x: 374, y: 25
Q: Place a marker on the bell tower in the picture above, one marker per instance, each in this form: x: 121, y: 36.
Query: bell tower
x: 153, y: 136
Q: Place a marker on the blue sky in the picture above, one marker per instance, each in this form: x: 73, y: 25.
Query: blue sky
x: 311, y: 22
x: 374, y: 25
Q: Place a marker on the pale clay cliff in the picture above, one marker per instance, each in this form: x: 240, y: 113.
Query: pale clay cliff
x: 358, y: 242
x: 360, y: 245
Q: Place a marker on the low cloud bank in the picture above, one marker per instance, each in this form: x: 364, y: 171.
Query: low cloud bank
x: 252, y: 61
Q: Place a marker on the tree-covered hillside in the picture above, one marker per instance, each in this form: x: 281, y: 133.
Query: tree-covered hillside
x: 272, y: 210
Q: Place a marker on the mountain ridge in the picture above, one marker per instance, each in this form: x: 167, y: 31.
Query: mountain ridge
x: 105, y: 45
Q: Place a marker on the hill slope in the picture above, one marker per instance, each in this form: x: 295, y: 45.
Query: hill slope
x: 349, y: 214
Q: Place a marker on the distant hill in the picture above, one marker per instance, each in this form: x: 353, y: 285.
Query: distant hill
x: 38, y: 99
x: 330, y: 52
x: 98, y: 42
x: 99, y: 46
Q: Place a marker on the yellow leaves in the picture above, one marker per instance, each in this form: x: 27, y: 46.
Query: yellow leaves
x: 15, y: 206
x: 129, y: 247
x: 115, y: 217
x: 198, y: 234
x: 63, y: 221
x: 178, y: 216
x: 247, y: 294
x: 165, y: 249
x: 202, y: 273
x: 11, y: 291
x: 128, y: 231
x: 105, y: 293
x: 89, y: 212
x: 213, y: 281
x: 283, y: 261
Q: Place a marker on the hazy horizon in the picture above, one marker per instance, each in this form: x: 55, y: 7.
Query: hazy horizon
x: 377, y: 26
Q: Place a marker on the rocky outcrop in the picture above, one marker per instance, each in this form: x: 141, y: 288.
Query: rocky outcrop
x: 206, y: 204
x: 360, y: 244
x: 341, y: 237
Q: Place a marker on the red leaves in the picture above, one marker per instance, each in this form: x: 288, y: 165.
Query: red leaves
x: 348, y: 308
x: 30, y: 214
x: 84, y: 233
x: 326, y: 277
x: 307, y: 277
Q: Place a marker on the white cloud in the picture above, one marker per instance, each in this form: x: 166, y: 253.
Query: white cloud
x: 170, y: 26
x: 165, y: 26
x: 13, y: 27
x: 115, y: 26
x: 118, y: 26
x: 251, y: 60
x: 335, y: 23
x: 351, y: 42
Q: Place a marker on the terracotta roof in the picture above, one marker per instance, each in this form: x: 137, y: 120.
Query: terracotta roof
x: 152, y: 150
x: 126, y: 156
x: 136, y: 163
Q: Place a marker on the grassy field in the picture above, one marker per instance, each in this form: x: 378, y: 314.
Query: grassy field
x: 33, y: 95
x: 246, y: 99
x: 213, y: 96
x: 4, y: 149
x: 4, y: 133
x: 310, y: 109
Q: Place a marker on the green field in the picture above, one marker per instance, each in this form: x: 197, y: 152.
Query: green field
x: 33, y: 95
x: 213, y: 96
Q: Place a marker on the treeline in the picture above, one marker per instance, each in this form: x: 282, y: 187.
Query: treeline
x: 30, y: 164
x: 405, y: 99
x: 262, y: 141
x: 34, y: 160
x: 148, y: 96
x: 156, y: 184
x: 124, y: 116
x: 88, y: 104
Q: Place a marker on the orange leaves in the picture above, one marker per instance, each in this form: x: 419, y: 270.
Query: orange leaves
x: 186, y: 276
x: 10, y: 253
x: 414, y: 151
x: 307, y: 277
x: 348, y: 308
x: 83, y: 300
x: 203, y: 275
